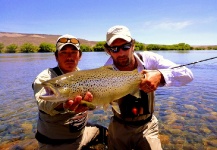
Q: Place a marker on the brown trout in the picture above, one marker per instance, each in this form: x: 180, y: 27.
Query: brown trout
x: 105, y: 84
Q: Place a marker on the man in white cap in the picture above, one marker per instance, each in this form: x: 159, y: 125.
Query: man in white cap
x: 61, y: 125
x: 133, y: 125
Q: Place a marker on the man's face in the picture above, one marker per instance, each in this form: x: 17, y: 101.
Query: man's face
x: 68, y: 58
x: 121, y: 58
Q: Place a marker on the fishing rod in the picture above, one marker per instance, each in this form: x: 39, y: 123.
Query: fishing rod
x: 194, y: 62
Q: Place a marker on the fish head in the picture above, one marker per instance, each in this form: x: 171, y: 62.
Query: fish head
x: 57, y: 90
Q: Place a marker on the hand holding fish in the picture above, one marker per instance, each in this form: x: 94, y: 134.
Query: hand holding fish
x: 151, y: 81
x: 104, y: 83
x: 76, y: 105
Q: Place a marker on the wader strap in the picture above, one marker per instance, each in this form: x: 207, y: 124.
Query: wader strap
x: 140, y: 56
x: 57, y: 71
x: 45, y: 140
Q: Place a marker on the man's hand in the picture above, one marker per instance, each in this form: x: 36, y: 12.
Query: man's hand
x: 151, y: 80
x: 74, y: 105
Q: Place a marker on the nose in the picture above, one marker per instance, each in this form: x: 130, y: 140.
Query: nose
x: 69, y: 54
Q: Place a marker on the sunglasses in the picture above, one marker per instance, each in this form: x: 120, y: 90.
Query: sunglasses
x: 68, y: 40
x: 116, y: 49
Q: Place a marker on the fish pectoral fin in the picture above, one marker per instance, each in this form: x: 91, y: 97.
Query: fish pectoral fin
x: 116, y: 107
x: 105, y: 107
x: 90, y: 105
x: 136, y: 94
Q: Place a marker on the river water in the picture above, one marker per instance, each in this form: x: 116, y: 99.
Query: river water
x: 187, y: 115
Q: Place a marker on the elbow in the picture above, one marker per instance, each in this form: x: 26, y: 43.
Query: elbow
x: 190, y: 76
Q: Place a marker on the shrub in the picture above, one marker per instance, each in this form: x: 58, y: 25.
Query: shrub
x: 85, y: 48
x: 99, y: 47
x: 1, y: 47
x: 139, y: 46
x: 47, y: 47
x: 12, y: 48
x: 28, y: 48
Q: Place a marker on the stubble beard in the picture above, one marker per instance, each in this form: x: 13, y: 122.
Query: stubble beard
x: 122, y: 62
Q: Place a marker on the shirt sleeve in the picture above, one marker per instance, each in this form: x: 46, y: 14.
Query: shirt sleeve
x: 46, y: 106
x: 172, y: 76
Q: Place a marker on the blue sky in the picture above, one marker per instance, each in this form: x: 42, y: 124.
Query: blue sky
x: 150, y: 21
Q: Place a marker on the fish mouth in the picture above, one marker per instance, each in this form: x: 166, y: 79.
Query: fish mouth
x: 51, y: 93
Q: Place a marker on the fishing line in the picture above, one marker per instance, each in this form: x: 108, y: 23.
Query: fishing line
x: 194, y: 62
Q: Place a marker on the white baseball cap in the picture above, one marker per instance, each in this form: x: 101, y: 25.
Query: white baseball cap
x: 118, y: 32
x: 67, y: 39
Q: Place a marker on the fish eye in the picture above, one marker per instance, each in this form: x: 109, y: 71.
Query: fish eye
x: 57, y: 85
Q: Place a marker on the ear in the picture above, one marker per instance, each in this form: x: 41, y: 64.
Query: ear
x: 79, y: 58
x: 56, y: 56
x: 107, y: 51
x: 80, y: 53
x: 133, y: 48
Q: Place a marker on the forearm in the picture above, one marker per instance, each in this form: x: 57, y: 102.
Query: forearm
x: 177, y: 77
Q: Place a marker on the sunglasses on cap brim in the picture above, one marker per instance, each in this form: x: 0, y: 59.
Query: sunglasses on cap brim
x: 116, y: 49
x: 68, y: 40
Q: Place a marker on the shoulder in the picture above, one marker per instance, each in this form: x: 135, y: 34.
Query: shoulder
x: 150, y: 60
x: 147, y: 55
x: 46, y: 74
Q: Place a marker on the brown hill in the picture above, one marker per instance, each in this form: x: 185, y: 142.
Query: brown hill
x: 8, y: 38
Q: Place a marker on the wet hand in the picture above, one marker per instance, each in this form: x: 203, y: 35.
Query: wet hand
x: 75, y: 105
x: 151, y: 80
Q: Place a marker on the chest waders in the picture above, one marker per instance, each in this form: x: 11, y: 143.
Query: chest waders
x: 136, y: 111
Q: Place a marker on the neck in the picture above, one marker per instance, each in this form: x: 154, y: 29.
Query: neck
x: 133, y: 65
x: 67, y: 71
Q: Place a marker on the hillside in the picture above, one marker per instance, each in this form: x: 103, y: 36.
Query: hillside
x: 8, y: 38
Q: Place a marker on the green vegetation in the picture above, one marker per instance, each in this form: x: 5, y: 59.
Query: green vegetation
x: 98, y: 47
x: 180, y: 46
x: 28, y: 48
x: 46, y: 47
x: 86, y: 48
x: 139, y: 46
x: 212, y: 48
x: 1, y: 47
x: 12, y: 48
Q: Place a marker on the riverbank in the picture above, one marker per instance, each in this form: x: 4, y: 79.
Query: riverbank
x: 32, y: 144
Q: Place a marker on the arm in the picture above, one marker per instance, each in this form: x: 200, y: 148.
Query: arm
x: 160, y: 74
x: 47, y: 107
x: 177, y: 77
x: 152, y: 79
x: 53, y: 108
